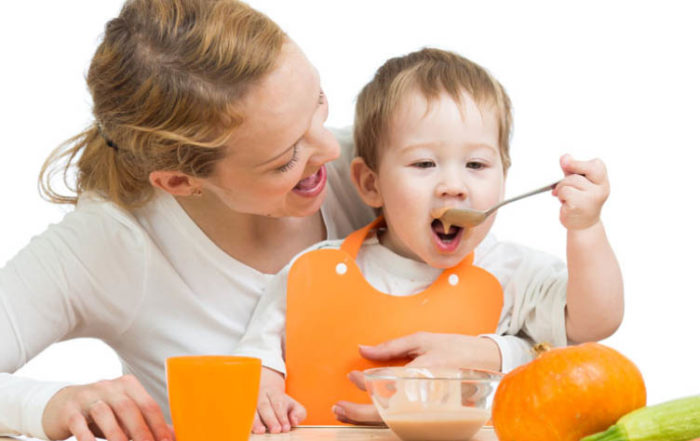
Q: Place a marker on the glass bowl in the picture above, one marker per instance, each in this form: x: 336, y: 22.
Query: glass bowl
x: 433, y: 404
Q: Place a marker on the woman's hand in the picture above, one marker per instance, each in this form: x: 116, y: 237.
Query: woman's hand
x: 277, y: 412
x: 118, y: 410
x: 424, y: 349
x: 582, y: 192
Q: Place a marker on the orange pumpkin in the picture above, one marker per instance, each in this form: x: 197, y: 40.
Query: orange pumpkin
x: 566, y: 394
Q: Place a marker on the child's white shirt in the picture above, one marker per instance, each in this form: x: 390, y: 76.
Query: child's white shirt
x: 534, y: 291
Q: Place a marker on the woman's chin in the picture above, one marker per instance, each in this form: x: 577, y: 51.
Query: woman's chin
x: 305, y: 206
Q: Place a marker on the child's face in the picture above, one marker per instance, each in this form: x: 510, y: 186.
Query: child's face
x: 438, y: 157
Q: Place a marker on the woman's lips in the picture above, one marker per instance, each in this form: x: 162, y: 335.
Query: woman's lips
x: 313, y: 185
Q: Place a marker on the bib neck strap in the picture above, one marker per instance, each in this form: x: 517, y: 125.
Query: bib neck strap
x: 353, y: 242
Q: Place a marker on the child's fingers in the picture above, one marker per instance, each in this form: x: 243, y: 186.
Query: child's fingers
x: 297, y: 412
x: 569, y: 195
x: 280, y: 404
x: 576, y: 181
x: 258, y: 426
x: 363, y: 414
x: 267, y: 414
x: 594, y: 170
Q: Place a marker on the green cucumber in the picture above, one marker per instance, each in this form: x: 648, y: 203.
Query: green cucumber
x: 676, y: 420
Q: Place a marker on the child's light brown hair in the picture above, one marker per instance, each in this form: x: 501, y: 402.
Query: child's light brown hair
x: 431, y: 72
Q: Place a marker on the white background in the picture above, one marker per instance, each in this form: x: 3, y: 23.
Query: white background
x: 615, y: 80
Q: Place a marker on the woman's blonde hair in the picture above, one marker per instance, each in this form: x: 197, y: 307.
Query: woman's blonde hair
x: 431, y: 72
x: 165, y: 82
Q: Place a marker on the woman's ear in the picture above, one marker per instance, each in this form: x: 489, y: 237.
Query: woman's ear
x: 175, y: 182
x: 366, y: 183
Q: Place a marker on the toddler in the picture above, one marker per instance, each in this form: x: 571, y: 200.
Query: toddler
x: 431, y: 132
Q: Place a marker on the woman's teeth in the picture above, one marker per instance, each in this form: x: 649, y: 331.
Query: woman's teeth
x: 308, y: 182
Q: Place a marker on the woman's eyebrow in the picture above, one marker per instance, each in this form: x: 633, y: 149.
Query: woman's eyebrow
x: 283, y: 153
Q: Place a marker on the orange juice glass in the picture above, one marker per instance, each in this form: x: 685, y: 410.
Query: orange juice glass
x: 213, y: 397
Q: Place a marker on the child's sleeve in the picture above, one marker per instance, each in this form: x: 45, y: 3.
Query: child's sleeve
x: 536, y: 294
x: 264, y: 336
x: 534, y: 291
x: 514, y: 350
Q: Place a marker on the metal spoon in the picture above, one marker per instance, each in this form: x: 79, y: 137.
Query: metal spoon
x: 468, y: 218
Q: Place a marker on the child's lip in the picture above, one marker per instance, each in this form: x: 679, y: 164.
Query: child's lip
x: 450, y: 247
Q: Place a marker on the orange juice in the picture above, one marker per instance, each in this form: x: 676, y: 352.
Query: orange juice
x: 213, y: 397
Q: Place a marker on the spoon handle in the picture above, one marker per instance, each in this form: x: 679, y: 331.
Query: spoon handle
x: 524, y: 195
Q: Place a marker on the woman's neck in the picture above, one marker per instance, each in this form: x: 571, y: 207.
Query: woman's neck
x: 261, y: 242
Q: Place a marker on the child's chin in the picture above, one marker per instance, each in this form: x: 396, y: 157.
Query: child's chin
x: 446, y: 261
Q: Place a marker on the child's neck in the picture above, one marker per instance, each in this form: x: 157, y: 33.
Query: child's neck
x: 394, y: 244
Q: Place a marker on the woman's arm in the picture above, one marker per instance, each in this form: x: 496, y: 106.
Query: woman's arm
x: 78, y: 278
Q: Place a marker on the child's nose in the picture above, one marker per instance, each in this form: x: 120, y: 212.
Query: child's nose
x: 451, y: 189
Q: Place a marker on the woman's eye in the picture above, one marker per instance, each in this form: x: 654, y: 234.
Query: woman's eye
x: 424, y: 164
x: 291, y: 162
x: 475, y: 165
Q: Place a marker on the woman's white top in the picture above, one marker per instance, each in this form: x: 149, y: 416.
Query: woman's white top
x: 150, y: 284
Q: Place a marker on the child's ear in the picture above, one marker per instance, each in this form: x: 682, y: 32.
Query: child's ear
x: 366, y: 183
x: 175, y: 182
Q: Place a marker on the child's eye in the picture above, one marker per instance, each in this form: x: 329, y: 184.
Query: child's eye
x: 475, y: 165
x: 423, y: 164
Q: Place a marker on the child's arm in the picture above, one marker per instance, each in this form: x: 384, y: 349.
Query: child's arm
x: 595, y: 303
x: 276, y: 412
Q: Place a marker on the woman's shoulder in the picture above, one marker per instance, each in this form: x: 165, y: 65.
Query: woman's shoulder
x: 93, y: 212
x: 96, y: 226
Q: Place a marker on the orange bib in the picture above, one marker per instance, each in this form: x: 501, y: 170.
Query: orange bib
x: 331, y: 309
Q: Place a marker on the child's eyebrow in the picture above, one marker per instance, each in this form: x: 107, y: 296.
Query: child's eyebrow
x: 430, y: 144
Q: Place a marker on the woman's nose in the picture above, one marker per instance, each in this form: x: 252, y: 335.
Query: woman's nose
x: 324, y: 148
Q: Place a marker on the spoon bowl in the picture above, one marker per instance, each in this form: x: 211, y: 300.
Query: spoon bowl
x: 468, y: 218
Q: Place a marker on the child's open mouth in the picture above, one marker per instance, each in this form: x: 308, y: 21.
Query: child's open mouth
x: 446, y: 241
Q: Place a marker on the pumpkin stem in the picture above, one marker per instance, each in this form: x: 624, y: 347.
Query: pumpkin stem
x: 541, y: 348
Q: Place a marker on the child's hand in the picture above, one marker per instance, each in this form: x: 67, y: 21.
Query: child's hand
x: 277, y: 412
x: 582, y: 192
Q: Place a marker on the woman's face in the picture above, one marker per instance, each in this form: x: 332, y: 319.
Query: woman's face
x: 274, y: 163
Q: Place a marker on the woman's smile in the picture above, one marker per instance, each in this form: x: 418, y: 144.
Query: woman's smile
x: 313, y: 185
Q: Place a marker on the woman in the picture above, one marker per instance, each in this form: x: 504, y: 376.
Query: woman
x: 206, y: 169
